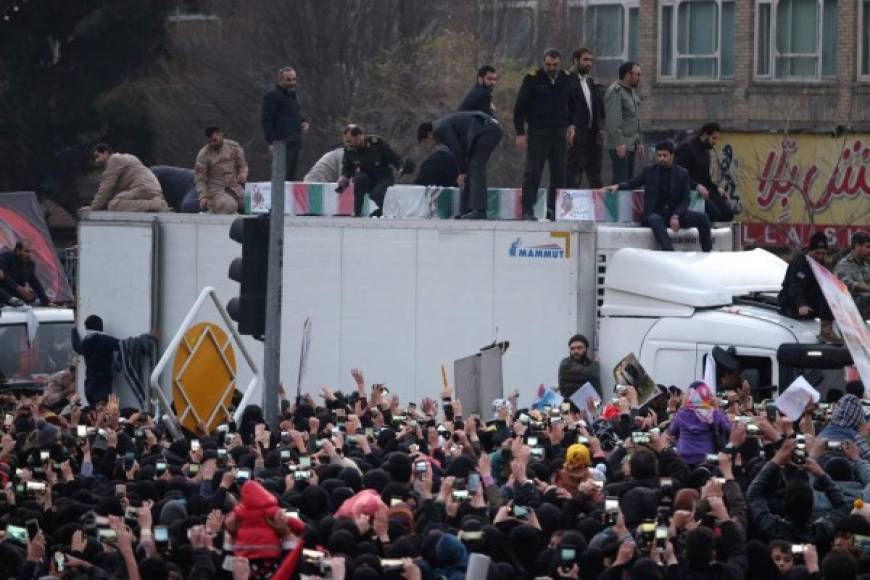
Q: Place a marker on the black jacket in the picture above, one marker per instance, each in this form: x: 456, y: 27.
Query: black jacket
x: 17, y: 273
x: 574, y: 374
x: 457, y: 131
x: 478, y: 98
x: 98, y: 350
x: 282, y: 117
x: 649, y: 181
x: 581, y: 110
x: 800, y: 288
x: 438, y: 169
x: 694, y: 157
x: 375, y: 158
x: 545, y: 104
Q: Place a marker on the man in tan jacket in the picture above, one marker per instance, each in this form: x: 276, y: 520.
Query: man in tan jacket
x: 221, y: 172
x: 126, y: 184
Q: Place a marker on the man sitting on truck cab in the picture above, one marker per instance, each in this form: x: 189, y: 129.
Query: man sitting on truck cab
x: 18, y: 275
x: 666, y: 199
x: 801, y: 296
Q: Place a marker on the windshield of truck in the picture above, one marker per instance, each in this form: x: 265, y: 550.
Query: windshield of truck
x: 50, y: 352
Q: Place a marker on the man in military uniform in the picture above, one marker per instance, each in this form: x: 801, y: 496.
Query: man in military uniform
x: 221, y: 171
x: 623, y: 125
x: 801, y: 297
x: 126, y: 184
x: 545, y: 102
x: 369, y: 162
x: 854, y: 271
x: 479, y: 97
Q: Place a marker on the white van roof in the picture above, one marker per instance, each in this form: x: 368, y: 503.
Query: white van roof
x: 693, y: 279
x: 10, y: 315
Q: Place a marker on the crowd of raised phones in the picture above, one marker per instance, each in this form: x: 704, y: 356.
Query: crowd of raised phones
x: 362, y: 485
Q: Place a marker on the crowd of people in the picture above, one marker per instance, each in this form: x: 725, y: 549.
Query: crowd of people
x: 561, y: 117
x: 362, y: 485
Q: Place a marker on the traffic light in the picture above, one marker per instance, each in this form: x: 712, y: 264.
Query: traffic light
x: 248, y: 309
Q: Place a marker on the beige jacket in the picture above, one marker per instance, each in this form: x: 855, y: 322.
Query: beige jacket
x: 222, y: 170
x: 124, y: 172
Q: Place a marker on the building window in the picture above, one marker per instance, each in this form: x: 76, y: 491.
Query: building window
x: 864, y: 35
x: 796, y: 39
x: 610, y: 29
x: 696, y: 39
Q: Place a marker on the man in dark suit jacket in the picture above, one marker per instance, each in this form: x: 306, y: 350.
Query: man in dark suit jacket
x: 471, y: 136
x: 98, y: 350
x: 283, y: 120
x: 584, y: 154
x: 479, y: 97
x: 666, y: 199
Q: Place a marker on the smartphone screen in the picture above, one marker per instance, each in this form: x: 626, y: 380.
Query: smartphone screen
x: 473, y: 482
x: 32, y: 528
x: 161, y: 534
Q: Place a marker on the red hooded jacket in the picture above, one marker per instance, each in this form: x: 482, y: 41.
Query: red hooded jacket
x: 255, y: 538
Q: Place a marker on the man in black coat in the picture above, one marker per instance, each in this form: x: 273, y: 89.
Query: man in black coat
x: 439, y: 168
x: 694, y: 155
x: 283, y: 119
x: 577, y: 368
x: 584, y: 154
x: 666, y: 199
x: 547, y: 104
x: 368, y: 161
x: 471, y: 136
x: 479, y: 97
x: 18, y: 275
x: 98, y: 349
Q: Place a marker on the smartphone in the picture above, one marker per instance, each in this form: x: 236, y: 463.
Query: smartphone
x: 471, y: 536
x: 81, y: 431
x: 60, y: 562
x: 193, y: 469
x: 567, y: 555
x: 32, y: 528
x: 228, y: 564
x: 289, y: 515
x: 420, y: 467
x: 461, y: 495
x: 473, y: 482
x: 771, y: 410
x: 301, y: 475
x: 161, y: 467
x: 532, y: 442
x: 129, y: 460
x: 834, y: 445
x: 44, y: 455
x: 131, y: 513
x: 285, y: 455
x: 661, y: 538
x: 35, y: 487
x: 16, y: 534
x: 713, y: 458
x: 243, y: 475
x: 392, y: 564
x: 565, y: 407
x: 519, y: 512
x: 107, y: 535
x: 394, y: 501
x: 611, y: 510
x: 639, y: 437
x: 120, y: 490
x: 222, y: 454
x: 194, y: 445
x: 8, y: 419
x: 161, y: 534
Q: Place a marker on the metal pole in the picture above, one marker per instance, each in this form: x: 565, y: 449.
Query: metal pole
x: 272, y: 349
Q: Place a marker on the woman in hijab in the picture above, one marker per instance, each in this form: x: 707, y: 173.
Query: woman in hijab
x: 575, y: 469
x: 699, y: 427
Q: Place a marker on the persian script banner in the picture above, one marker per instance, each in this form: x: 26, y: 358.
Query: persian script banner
x: 792, y: 185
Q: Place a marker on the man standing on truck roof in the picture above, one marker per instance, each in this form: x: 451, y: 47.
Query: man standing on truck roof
x: 126, y: 184
x: 854, y: 271
x: 666, y: 199
x: 577, y: 368
x: 479, y: 97
x: 283, y: 120
x: 221, y: 171
x: 18, y: 279
x: 801, y: 297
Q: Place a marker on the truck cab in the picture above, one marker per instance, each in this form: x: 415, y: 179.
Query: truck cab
x: 671, y: 309
x: 25, y: 363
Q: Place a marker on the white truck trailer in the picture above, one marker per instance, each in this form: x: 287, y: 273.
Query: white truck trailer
x: 400, y: 298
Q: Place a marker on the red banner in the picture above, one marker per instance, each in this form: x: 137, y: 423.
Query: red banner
x: 796, y: 235
x: 21, y: 219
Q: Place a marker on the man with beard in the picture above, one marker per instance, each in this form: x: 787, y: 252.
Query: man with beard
x: 18, y: 281
x: 283, y: 120
x: 621, y: 103
x: 545, y: 101
x: 577, y: 368
x: 126, y: 184
x: 221, y: 171
x: 666, y: 199
x: 695, y: 156
x: 584, y: 154
x: 479, y: 97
